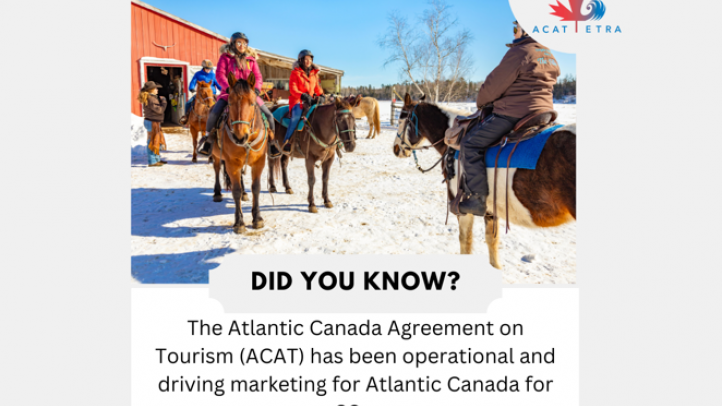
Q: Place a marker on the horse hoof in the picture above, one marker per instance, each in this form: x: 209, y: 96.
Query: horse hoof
x: 289, y: 191
x: 257, y: 225
x: 496, y: 265
x: 272, y: 190
x: 328, y: 204
x: 245, y: 197
x: 239, y: 229
x: 194, y: 160
x: 312, y: 209
x: 217, y: 198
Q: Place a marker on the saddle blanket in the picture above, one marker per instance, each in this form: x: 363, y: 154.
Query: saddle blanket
x: 526, y: 154
x: 281, y: 112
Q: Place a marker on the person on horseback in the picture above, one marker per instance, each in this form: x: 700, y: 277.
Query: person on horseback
x: 522, y: 84
x: 153, y: 112
x: 238, y: 58
x: 206, y: 75
x: 305, y: 89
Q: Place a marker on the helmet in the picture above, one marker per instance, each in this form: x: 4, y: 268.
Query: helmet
x: 239, y: 35
x: 207, y: 64
x: 304, y: 54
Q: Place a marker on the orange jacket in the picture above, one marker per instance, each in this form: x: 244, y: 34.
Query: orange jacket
x: 300, y: 83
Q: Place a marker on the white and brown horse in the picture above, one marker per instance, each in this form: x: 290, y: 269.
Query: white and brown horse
x: 543, y: 197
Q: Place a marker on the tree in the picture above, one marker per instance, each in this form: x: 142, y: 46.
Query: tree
x: 439, y: 57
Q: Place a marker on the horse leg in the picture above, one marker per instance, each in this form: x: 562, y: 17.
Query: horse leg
x: 492, y: 242
x: 217, y: 196
x: 244, y: 195
x: 256, y: 172
x: 284, y: 166
x: 237, y: 188
x: 271, y: 168
x: 194, y: 135
x: 310, y: 169
x: 326, y: 168
x: 466, y: 233
x: 370, y: 119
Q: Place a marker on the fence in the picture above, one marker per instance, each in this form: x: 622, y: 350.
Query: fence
x: 395, y: 107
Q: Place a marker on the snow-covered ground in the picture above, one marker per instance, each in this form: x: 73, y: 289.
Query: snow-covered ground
x: 383, y: 205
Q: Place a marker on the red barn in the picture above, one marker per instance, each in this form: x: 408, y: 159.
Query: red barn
x: 165, y: 47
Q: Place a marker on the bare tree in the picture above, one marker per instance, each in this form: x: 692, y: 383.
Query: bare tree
x: 439, y: 57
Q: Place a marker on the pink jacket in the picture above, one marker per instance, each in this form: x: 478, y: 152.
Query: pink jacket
x: 227, y: 63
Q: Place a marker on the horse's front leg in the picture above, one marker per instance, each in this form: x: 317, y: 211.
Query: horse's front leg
x: 492, y: 241
x: 326, y: 167
x: 244, y: 195
x: 194, y: 136
x: 310, y: 170
x: 466, y: 233
x: 238, y: 226
x: 256, y: 172
x: 284, y: 168
x: 217, y: 196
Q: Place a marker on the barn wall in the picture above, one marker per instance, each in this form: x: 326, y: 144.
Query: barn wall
x: 191, y: 45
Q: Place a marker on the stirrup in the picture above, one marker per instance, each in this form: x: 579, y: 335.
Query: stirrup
x: 274, y: 145
x: 204, y: 146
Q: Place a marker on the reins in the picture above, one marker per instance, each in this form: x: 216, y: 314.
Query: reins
x: 404, y: 141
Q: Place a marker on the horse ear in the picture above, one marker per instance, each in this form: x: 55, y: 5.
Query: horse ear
x: 231, y: 80
x: 339, y: 102
x: 423, y: 97
x: 252, y: 80
x: 407, y: 99
x: 358, y: 100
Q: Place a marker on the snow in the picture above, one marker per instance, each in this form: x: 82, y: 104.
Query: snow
x: 138, y: 136
x: 382, y: 205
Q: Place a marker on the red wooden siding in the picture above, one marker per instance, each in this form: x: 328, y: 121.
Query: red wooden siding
x: 147, y: 26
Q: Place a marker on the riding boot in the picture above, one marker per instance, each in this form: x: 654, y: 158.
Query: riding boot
x: 474, y: 204
x: 287, y: 146
x: 205, y: 146
x: 275, y: 151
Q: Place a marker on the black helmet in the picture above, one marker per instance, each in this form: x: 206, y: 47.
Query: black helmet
x: 304, y: 54
x: 237, y: 36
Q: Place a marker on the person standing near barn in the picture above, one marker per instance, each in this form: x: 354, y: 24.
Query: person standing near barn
x: 237, y: 58
x: 304, y: 85
x: 153, y: 111
x: 522, y: 84
x: 206, y: 75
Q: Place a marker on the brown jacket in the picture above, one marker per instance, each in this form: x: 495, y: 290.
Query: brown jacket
x: 523, y: 82
x: 153, y: 111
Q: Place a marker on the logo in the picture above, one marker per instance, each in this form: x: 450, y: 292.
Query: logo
x: 594, y: 10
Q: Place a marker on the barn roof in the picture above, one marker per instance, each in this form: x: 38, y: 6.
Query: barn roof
x: 268, y: 57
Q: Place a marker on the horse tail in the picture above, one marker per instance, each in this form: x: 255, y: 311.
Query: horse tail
x: 274, y: 165
x: 377, y: 118
x: 226, y: 178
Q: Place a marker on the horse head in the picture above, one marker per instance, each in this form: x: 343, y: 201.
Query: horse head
x: 204, y: 95
x: 407, y: 135
x: 241, y: 106
x: 345, y: 120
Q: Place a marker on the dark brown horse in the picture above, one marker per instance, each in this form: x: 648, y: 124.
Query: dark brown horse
x: 543, y: 197
x: 203, y: 103
x: 331, y: 125
x: 243, y: 139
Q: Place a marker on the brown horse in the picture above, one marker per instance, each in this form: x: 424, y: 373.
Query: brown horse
x: 369, y: 108
x: 331, y: 125
x: 543, y: 197
x: 202, y: 105
x: 243, y: 139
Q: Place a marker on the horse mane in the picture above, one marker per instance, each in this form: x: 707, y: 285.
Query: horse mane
x: 242, y: 86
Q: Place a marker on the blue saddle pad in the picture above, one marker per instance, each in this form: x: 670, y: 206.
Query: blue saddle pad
x: 281, y: 111
x: 526, y: 154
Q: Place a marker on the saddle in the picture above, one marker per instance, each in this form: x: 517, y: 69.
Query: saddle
x: 283, y: 116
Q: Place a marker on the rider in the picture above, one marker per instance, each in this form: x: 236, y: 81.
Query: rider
x: 206, y: 75
x: 522, y: 84
x: 304, y: 85
x: 235, y: 57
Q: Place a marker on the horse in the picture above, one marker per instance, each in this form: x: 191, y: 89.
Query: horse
x: 330, y: 125
x: 369, y: 108
x: 202, y: 105
x: 243, y: 138
x: 543, y: 197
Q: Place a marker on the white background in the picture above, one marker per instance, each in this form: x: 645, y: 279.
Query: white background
x: 649, y: 274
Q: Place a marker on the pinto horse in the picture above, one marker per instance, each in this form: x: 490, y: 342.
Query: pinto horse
x: 330, y: 125
x: 243, y: 138
x: 203, y: 103
x: 543, y: 197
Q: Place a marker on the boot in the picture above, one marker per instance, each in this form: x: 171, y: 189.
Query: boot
x: 475, y: 204
x: 205, y: 146
x: 275, y: 151
x: 184, y: 120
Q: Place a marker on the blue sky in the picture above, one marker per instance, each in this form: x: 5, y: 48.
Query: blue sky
x: 344, y: 35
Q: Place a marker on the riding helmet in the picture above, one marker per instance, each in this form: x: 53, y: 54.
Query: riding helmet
x: 207, y: 64
x: 237, y: 36
x: 304, y: 54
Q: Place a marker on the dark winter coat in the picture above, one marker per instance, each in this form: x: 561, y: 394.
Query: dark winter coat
x: 153, y: 111
x: 523, y: 82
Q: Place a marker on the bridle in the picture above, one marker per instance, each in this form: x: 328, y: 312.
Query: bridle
x: 202, y: 100
x: 339, y: 132
x: 405, y: 144
x: 248, y: 145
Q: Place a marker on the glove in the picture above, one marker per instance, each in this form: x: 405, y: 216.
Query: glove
x: 306, y: 99
x: 258, y: 92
